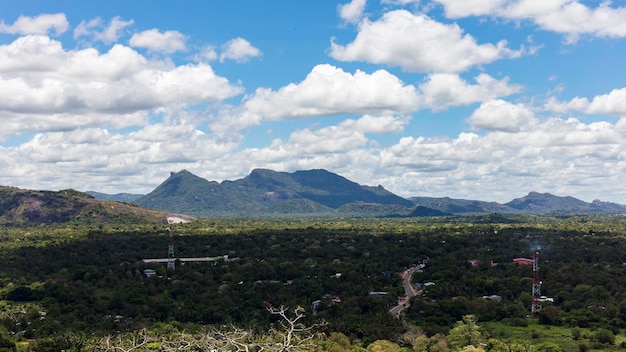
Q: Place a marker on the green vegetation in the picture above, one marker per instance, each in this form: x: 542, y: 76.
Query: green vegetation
x: 21, y: 207
x: 64, y: 286
x: 265, y: 192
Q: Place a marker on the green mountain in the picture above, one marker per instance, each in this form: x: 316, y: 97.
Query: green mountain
x: 266, y: 192
x: 533, y: 203
x: 118, y: 197
x: 461, y: 206
x: 544, y: 203
x: 27, y: 207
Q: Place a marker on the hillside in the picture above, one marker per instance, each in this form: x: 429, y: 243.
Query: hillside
x: 314, y: 193
x: 266, y: 192
x: 533, y: 203
x: 29, y: 207
x: 461, y: 206
x: 546, y: 203
x: 118, y: 197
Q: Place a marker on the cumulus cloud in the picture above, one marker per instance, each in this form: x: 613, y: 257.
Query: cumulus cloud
x: 442, y: 90
x: 154, y: 40
x: 328, y: 90
x: 458, y: 9
x: 86, y: 28
x: 567, y: 153
x: 239, y: 50
x: 47, y: 85
x: 352, y: 12
x: 99, y: 159
x: 42, y: 24
x: 561, y: 156
x: 208, y: 53
x: 94, y: 28
x: 613, y: 103
x: 418, y: 43
x: 377, y: 124
x: 500, y: 115
x: 400, y: 2
x: 334, y: 139
x: 569, y: 17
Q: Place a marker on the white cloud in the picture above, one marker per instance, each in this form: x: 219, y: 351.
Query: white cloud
x: 377, y: 124
x: 208, y: 53
x: 613, y: 103
x: 229, y: 120
x: 457, y: 9
x: 569, y: 17
x: 334, y: 139
x: 500, y: 115
x: 100, y: 160
x: 154, y: 40
x: 49, y: 86
x: 42, y: 24
x: 107, y: 35
x: 442, y: 90
x: 400, y: 2
x: 558, y: 156
x: 352, y: 12
x: 85, y: 28
x: 114, y: 31
x: 561, y: 156
x: 328, y: 90
x: 239, y: 50
x: 418, y: 43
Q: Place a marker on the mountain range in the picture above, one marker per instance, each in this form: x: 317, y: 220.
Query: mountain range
x: 267, y: 192
x: 319, y: 192
x: 264, y: 193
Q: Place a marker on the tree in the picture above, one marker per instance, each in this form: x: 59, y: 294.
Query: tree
x: 604, y: 336
x: 382, y: 345
x: 466, y: 332
x: 548, y: 347
x: 293, y: 335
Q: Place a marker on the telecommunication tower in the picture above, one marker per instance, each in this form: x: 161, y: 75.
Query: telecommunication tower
x: 536, y: 296
x: 171, y: 259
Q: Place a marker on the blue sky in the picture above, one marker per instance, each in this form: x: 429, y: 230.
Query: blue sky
x: 484, y: 99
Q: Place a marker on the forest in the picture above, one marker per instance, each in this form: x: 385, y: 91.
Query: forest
x: 315, y: 285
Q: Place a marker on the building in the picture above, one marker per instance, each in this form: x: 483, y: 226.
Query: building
x: 523, y: 261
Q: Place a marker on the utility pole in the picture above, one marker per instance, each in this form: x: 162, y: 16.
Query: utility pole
x: 171, y: 262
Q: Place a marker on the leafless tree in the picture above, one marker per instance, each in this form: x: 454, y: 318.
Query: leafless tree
x: 291, y: 335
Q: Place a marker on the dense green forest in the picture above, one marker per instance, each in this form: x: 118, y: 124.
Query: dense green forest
x: 66, y: 280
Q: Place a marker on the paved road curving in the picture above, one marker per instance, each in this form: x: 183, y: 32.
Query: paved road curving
x: 409, y: 292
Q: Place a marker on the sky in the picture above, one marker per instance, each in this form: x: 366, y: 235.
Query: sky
x: 480, y: 99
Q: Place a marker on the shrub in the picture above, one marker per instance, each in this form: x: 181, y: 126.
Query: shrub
x: 604, y: 336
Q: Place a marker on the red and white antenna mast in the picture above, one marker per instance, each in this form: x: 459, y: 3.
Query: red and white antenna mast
x: 535, y: 307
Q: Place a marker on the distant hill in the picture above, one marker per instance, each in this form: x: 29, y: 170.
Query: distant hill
x: 533, y: 203
x: 28, y: 207
x: 119, y: 197
x: 461, y: 206
x: 546, y: 203
x: 320, y: 193
x: 265, y: 192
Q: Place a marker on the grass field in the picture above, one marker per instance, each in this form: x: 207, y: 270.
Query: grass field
x: 535, y: 334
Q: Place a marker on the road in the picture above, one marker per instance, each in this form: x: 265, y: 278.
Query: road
x: 409, y: 292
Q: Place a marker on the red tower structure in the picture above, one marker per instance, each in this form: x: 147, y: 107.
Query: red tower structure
x: 536, y: 294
